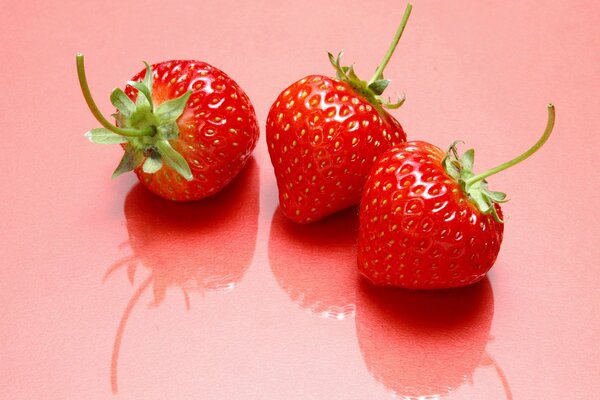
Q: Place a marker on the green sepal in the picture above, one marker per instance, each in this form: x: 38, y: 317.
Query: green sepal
x: 153, y: 163
x: 451, y: 168
x: 498, y: 197
x: 174, y: 159
x: 147, y: 81
x: 122, y: 102
x: 351, y: 74
x: 379, y: 86
x: 483, y: 202
x: 104, y: 136
x: 451, y: 162
x: 145, y: 86
x: 468, y: 159
x: 388, y: 104
x: 142, y: 102
x: 340, y: 72
x: 170, y: 110
x: 143, y: 89
x: 496, y: 216
x: 131, y: 159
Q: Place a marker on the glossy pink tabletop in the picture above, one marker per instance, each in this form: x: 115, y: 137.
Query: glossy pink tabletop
x: 108, y: 292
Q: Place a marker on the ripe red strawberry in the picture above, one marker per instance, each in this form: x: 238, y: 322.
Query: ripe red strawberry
x: 426, y: 221
x: 324, y: 134
x: 187, y: 128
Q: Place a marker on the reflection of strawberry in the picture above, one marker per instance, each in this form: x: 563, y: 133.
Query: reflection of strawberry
x: 423, y: 343
x: 191, y: 246
x: 314, y: 263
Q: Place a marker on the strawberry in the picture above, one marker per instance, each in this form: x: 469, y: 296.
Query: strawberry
x: 324, y: 134
x: 186, y: 127
x: 426, y: 221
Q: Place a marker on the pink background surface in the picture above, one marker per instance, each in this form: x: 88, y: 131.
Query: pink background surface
x: 277, y: 311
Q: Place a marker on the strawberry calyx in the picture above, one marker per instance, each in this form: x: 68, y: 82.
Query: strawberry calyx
x: 374, y: 88
x: 143, y: 128
x: 475, y: 186
x: 370, y: 91
x: 461, y: 170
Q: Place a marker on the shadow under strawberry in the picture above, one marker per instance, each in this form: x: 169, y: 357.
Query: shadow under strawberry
x: 198, y: 246
x: 316, y: 263
x: 425, y: 343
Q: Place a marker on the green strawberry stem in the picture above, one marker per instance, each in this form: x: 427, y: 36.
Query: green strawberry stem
x: 386, y: 59
x: 85, y: 89
x: 527, y: 154
x: 373, y: 89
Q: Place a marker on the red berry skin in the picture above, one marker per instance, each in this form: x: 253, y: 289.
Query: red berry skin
x: 323, y: 138
x: 418, y: 230
x: 217, y: 131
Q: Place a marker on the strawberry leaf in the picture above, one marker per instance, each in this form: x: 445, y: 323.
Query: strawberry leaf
x: 340, y: 71
x: 498, y: 197
x: 352, y: 75
x: 467, y: 159
x: 495, y: 215
x: 153, y: 163
x: 143, y: 89
x: 170, y: 110
x: 104, y: 136
x: 174, y: 159
x: 147, y: 81
x: 145, y: 86
x: 142, y: 103
x: 481, y: 200
x: 122, y: 102
x: 130, y: 161
x: 451, y: 167
x: 379, y: 86
x: 392, y: 106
